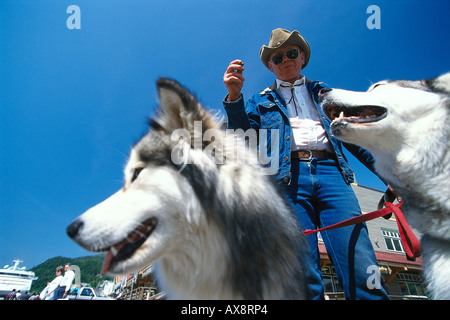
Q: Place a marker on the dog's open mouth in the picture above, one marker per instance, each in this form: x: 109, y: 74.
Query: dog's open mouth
x: 125, y: 249
x: 357, y: 114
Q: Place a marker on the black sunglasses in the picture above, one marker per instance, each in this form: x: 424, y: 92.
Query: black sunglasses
x: 291, y: 54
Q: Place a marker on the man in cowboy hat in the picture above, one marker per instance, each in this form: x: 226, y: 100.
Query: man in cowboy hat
x: 312, y: 165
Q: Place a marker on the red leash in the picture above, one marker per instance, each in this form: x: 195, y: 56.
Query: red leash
x: 410, y: 242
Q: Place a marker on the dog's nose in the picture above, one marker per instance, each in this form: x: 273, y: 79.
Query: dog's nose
x: 74, y: 227
x: 324, y: 90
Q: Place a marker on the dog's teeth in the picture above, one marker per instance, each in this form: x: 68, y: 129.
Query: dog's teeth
x: 114, y: 251
x: 341, y: 115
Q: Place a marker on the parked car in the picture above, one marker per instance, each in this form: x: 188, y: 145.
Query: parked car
x: 87, y: 293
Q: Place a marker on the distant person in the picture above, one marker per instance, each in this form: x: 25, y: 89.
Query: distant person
x: 34, y: 296
x: 52, y: 288
x: 11, y: 295
x: 43, y: 293
x: 66, y: 282
x: 26, y: 296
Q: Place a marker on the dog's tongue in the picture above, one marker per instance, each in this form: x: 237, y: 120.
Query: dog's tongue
x: 112, y: 252
x: 107, y: 261
x: 133, y: 241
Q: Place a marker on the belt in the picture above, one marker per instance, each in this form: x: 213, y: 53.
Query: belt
x: 307, y: 155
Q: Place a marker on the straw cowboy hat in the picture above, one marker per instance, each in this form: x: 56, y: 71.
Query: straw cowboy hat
x: 281, y: 38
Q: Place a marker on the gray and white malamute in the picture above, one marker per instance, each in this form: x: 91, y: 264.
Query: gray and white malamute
x: 213, y: 229
x: 406, y: 126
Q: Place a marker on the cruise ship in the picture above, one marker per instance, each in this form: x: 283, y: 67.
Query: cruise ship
x: 15, y: 277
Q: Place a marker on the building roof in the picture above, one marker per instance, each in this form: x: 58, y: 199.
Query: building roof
x: 389, y: 258
x: 397, y: 258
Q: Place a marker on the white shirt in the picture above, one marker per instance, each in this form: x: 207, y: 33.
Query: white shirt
x: 69, y: 275
x: 54, y: 284
x: 307, y: 129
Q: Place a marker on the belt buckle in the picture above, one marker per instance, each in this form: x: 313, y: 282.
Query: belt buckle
x: 310, y: 155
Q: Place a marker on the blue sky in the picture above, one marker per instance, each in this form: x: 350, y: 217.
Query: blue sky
x: 73, y: 102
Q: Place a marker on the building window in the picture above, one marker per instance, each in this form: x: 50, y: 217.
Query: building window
x: 411, y: 285
x: 330, y: 280
x: 319, y: 237
x: 392, y: 240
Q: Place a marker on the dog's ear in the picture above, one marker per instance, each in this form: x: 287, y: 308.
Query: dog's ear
x: 179, y: 109
x: 440, y: 84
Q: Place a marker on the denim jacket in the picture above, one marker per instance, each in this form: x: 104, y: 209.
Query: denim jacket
x: 267, y: 110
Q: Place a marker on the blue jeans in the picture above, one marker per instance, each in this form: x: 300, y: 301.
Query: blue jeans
x: 60, y: 293
x: 321, y: 198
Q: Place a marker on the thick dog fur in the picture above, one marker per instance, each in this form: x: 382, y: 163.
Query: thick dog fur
x: 212, y: 231
x: 406, y: 126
